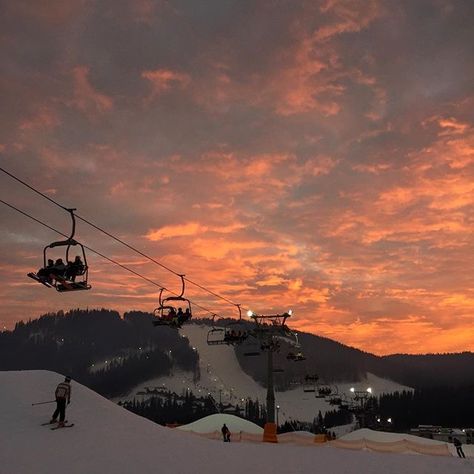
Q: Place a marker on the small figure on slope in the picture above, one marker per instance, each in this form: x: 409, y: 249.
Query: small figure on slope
x: 63, y: 396
x: 225, y: 433
x: 458, y: 446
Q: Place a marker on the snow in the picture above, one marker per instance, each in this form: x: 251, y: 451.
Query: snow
x: 223, y: 378
x: 213, y: 423
x: 108, y: 439
x: 383, y: 436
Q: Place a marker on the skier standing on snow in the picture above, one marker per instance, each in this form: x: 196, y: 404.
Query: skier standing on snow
x: 63, y: 395
x: 458, y: 446
x: 225, y: 433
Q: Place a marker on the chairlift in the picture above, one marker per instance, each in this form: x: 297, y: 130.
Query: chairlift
x: 296, y: 356
x: 166, y: 313
x: 62, y: 276
x: 323, y: 391
x: 252, y: 350
x: 232, y: 333
x: 252, y: 353
x: 310, y: 383
x: 335, y: 397
x: 272, y: 323
x: 336, y: 400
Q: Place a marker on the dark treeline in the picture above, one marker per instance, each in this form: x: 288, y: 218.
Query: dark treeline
x: 431, y: 370
x: 69, y: 343
x: 442, y: 406
x: 320, y: 424
x: 171, y: 408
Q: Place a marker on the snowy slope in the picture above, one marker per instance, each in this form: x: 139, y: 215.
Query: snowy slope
x: 108, y: 439
x: 223, y: 378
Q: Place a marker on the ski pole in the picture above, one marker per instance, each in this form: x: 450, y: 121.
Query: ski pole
x: 42, y: 403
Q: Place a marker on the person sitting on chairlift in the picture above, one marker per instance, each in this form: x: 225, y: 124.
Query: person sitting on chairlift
x: 180, y: 315
x: 74, y: 268
x: 59, y: 269
x: 44, y: 273
x: 187, y: 315
x: 171, y: 315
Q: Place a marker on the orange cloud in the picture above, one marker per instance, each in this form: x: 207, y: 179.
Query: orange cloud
x: 191, y: 228
x: 44, y: 118
x: 163, y: 80
x: 347, y: 17
x: 86, y: 98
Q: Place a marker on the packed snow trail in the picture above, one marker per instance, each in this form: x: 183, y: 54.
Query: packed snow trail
x: 109, y: 439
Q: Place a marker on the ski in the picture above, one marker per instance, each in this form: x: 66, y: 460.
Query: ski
x: 60, y: 427
x: 51, y: 423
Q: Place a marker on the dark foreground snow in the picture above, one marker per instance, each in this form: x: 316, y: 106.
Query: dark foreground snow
x: 108, y: 439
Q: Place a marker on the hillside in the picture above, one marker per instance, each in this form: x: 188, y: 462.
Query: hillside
x: 222, y: 376
x: 107, y: 353
x: 127, y: 358
x: 107, y: 438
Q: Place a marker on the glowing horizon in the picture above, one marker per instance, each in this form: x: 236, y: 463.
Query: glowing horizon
x: 317, y: 156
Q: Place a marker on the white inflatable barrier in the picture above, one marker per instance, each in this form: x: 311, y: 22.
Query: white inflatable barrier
x: 400, y: 446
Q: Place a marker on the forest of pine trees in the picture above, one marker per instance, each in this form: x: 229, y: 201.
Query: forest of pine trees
x: 69, y: 343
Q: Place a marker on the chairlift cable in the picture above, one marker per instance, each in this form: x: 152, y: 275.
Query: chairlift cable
x: 34, y: 189
x: 111, y: 260
x: 86, y: 221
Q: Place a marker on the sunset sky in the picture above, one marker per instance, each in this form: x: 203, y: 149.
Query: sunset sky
x: 313, y: 155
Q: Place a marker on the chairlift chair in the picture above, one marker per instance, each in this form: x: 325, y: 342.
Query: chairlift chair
x: 252, y: 349
x: 166, y: 314
x: 323, y: 391
x: 65, y: 280
x: 310, y: 383
x: 295, y: 356
x: 215, y: 336
x: 235, y: 331
x: 232, y: 333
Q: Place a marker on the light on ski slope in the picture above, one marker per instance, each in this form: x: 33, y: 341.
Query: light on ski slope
x: 352, y: 389
x: 290, y: 312
x: 389, y: 420
x: 249, y: 313
x: 369, y: 389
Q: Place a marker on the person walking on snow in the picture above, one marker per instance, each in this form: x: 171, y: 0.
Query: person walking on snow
x: 458, y: 446
x: 63, y: 396
x: 225, y: 433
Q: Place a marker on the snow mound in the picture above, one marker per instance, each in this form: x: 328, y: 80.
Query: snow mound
x: 384, y: 437
x: 107, y: 438
x: 212, y: 423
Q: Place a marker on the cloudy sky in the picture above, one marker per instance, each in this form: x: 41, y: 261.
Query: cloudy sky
x: 317, y: 155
